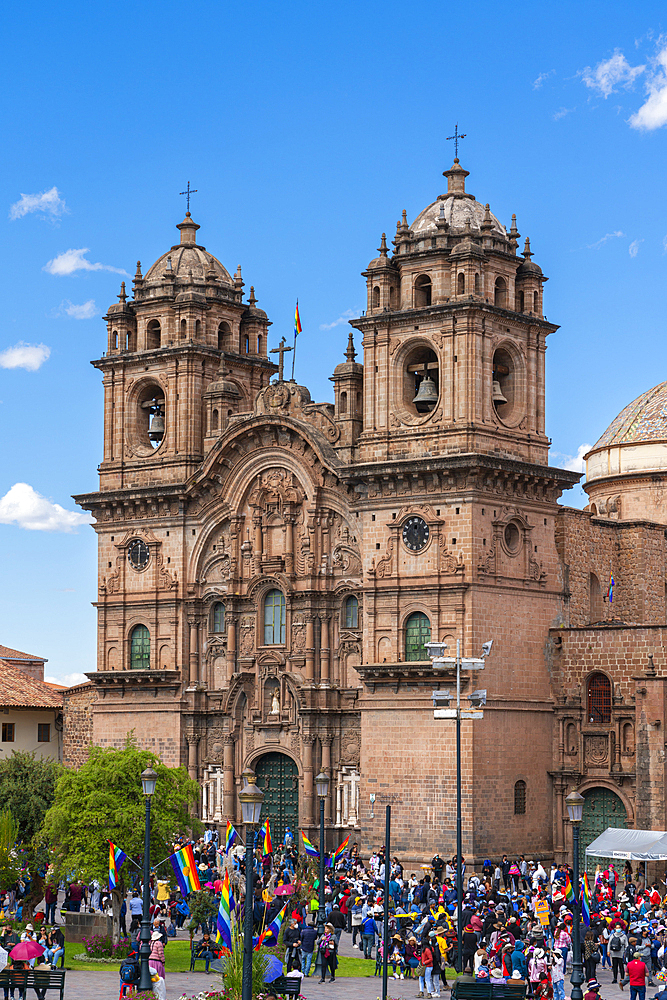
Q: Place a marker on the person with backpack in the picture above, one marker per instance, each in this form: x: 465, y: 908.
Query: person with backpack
x: 617, y: 947
x: 130, y: 971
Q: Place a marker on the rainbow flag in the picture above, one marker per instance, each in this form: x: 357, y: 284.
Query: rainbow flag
x: 185, y: 870
x: 116, y: 858
x: 269, y: 936
x: 339, y: 852
x: 297, y: 321
x: 612, y: 584
x: 569, y: 891
x: 265, y: 833
x: 309, y: 848
x: 223, y: 935
x: 231, y: 836
x: 586, y: 902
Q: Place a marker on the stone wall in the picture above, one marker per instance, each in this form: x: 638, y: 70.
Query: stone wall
x: 78, y: 704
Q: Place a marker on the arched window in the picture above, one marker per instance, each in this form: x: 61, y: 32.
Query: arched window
x: 536, y: 303
x: 259, y: 344
x: 461, y: 284
x: 130, y: 341
x: 599, y: 698
x: 218, y: 617
x: 153, y: 335
x: 274, y: 618
x: 115, y: 339
x: 197, y: 328
x: 351, y: 616
x: 140, y: 648
x: 392, y: 297
x: 520, y: 798
x: 376, y: 297
x: 596, y: 609
x: 214, y: 420
x: 417, y: 634
x: 521, y: 302
x: 184, y: 329
x: 423, y: 290
x: 224, y: 332
x: 477, y: 284
x: 500, y: 293
x: 343, y: 402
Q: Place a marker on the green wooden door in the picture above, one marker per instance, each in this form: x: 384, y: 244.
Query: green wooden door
x: 278, y: 777
x: 602, y: 808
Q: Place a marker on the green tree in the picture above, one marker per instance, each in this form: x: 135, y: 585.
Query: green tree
x: 10, y: 866
x: 103, y: 801
x: 27, y: 787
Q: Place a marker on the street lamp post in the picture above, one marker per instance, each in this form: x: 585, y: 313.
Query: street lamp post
x: 148, y: 782
x: 322, y: 786
x: 251, y: 798
x: 575, y: 810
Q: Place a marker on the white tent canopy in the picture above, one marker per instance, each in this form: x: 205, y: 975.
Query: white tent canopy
x: 630, y: 845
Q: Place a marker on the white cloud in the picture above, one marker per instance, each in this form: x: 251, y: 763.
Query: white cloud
x: 69, y: 680
x: 604, y: 239
x: 609, y: 73
x: 664, y: 244
x: 28, y: 356
x: 85, y: 311
x: 653, y: 113
x: 347, y: 315
x: 573, y: 463
x: 27, y: 508
x: 633, y: 249
x: 541, y: 78
x: 74, y: 260
x: 48, y: 202
x: 562, y: 112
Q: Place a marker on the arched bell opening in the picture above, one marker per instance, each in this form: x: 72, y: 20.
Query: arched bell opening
x: 421, y: 380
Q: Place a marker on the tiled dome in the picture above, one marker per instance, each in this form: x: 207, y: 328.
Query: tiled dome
x: 645, y: 419
x: 188, y: 256
x: 457, y: 211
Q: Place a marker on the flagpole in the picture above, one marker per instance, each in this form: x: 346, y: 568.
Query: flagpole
x: 295, y: 333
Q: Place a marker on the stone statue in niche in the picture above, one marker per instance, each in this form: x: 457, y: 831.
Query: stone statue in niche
x: 275, y: 704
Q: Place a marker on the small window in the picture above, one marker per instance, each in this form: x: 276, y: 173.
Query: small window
x: 8, y: 732
x: 197, y: 328
x: 218, y: 617
x: 352, y: 612
x: 423, y: 289
x: 376, y: 297
x: 130, y: 341
x: 247, y: 345
x: 461, y: 284
x: 536, y: 303
x: 140, y: 648
x: 392, y: 297
x: 500, y: 293
x: 274, y: 618
x: 343, y: 402
x: 596, y: 604
x: 521, y: 302
x: 477, y: 286
x: 520, y: 798
x: 43, y: 732
x: 115, y: 339
x: 153, y: 335
x: 417, y: 634
x: 599, y: 699
x: 214, y: 420
x: 259, y: 345
x: 224, y: 333
x: 184, y: 329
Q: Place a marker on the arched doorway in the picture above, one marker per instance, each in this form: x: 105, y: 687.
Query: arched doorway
x: 278, y: 777
x: 602, y: 808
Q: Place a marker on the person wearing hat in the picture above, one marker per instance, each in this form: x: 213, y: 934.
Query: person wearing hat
x: 156, y: 957
x: 592, y: 990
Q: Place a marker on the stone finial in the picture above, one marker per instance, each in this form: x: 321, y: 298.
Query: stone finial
x: 526, y: 250
x: 238, y: 280
x: 210, y: 271
x: 251, y: 298
x: 382, y: 249
x: 188, y: 229
x: 514, y: 235
x: 122, y: 297
x: 169, y: 265
x: 138, y: 276
x: 404, y: 221
x: 456, y: 180
x: 650, y: 670
x: 487, y: 221
x: 350, y: 353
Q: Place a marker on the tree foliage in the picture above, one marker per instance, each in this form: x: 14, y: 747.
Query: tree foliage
x: 27, y: 787
x: 104, y: 801
x: 10, y: 867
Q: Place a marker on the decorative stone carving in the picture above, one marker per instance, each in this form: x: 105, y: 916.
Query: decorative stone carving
x: 298, y: 637
x: 247, y: 634
x: 384, y: 565
x: 286, y: 398
x: 596, y: 750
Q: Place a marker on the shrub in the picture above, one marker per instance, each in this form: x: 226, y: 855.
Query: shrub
x: 100, y: 946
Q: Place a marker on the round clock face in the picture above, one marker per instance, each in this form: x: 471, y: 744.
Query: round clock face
x: 415, y: 533
x: 138, y: 554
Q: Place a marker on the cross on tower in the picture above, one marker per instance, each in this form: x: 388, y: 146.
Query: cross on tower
x: 456, y: 137
x: 281, y: 350
x: 188, y: 192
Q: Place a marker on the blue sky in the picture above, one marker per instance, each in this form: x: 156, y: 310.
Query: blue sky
x: 306, y: 129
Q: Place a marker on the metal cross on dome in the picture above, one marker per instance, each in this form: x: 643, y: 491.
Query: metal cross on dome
x: 456, y: 137
x: 188, y: 192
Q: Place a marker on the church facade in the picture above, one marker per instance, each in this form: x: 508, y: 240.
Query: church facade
x: 271, y: 568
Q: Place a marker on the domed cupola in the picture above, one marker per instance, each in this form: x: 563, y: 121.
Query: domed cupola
x: 382, y: 281
x: 187, y: 261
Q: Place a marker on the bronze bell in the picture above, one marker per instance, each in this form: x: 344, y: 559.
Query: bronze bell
x: 156, y: 429
x: 498, y: 393
x: 427, y: 395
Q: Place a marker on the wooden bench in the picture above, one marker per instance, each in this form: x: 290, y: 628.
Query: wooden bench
x: 24, y: 980
x: 284, y: 986
x: 473, y: 989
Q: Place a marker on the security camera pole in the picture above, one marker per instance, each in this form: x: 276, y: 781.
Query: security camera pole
x: 477, y: 699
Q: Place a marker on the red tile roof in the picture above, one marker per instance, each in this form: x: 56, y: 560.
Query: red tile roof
x: 19, y: 690
x: 15, y: 654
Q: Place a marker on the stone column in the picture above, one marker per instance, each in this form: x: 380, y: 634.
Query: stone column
x: 324, y: 650
x: 193, y: 740
x: 289, y: 544
x: 231, y: 644
x: 308, y: 742
x: 326, y: 741
x: 310, y: 648
x: 258, y: 543
x: 194, y: 652
x: 228, y: 797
